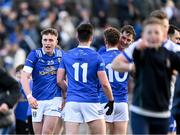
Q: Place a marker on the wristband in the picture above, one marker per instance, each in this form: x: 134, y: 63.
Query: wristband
x: 29, y: 96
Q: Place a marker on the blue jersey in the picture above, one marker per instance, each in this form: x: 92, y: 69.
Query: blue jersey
x: 81, y: 65
x: 102, y: 50
x: 44, y: 73
x: 118, y: 81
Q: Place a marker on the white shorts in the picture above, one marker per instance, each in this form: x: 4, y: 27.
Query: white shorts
x: 47, y: 107
x: 120, y: 112
x: 82, y: 112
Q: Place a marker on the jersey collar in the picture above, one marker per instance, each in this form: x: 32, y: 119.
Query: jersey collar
x: 45, y: 52
x: 110, y: 49
x: 83, y: 46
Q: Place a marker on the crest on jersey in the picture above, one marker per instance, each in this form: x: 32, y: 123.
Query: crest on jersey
x: 59, y: 60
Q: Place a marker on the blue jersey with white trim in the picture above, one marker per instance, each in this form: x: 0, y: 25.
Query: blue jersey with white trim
x: 118, y: 81
x: 44, y: 73
x: 81, y: 66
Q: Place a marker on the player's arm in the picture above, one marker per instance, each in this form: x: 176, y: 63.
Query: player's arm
x: 107, y: 90
x: 105, y: 84
x: 121, y: 64
x: 61, y: 81
x: 25, y: 76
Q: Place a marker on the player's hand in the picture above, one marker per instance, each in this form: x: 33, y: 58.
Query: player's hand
x: 143, y: 44
x: 110, y: 104
x: 33, y: 102
x: 4, y: 108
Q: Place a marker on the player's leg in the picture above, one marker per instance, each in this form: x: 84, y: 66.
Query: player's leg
x: 37, y: 118
x: 120, y: 127
x: 94, y: 117
x: 121, y: 117
x: 97, y: 126
x: 71, y: 128
x: 49, y: 123
x: 52, y: 114
x: 72, y: 117
x: 108, y: 120
x: 109, y: 128
x: 59, y: 127
x: 37, y: 127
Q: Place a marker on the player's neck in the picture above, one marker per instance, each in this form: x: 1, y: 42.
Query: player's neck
x: 84, y: 44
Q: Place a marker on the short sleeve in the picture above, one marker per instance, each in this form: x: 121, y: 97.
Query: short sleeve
x: 128, y: 52
x: 30, y: 62
x: 101, y: 64
x: 61, y: 65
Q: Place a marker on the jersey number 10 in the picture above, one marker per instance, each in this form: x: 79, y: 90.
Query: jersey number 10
x: 112, y: 73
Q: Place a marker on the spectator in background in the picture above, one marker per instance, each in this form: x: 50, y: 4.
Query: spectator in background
x: 154, y: 66
x: 9, y: 96
x: 21, y: 108
x: 101, y: 9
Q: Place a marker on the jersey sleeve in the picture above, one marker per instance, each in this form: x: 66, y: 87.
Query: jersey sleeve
x: 30, y: 62
x: 101, y: 64
x: 61, y: 65
x: 128, y: 52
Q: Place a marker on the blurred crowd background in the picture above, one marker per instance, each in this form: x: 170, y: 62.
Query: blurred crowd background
x: 22, y: 20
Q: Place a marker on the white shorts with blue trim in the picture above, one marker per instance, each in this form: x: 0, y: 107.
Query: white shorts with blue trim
x: 48, y: 108
x: 82, y: 112
x: 120, y: 112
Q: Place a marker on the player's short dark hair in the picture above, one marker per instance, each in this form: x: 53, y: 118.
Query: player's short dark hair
x: 85, y: 31
x: 112, y: 35
x: 172, y: 30
x: 51, y: 31
x: 152, y: 20
x: 129, y: 30
x: 19, y: 68
x: 159, y: 14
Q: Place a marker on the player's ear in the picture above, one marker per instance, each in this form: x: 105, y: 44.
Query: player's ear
x: 91, y: 39
x: 105, y: 41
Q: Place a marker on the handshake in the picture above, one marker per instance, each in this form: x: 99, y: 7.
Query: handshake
x: 110, y: 106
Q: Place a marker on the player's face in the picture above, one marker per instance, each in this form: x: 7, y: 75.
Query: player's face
x: 154, y: 34
x: 176, y: 37
x: 125, y: 40
x: 49, y: 42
